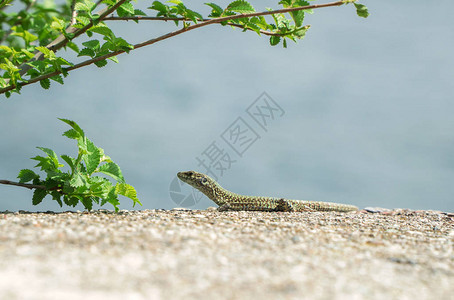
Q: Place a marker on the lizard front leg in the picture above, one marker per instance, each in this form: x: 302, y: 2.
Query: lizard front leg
x: 284, y: 205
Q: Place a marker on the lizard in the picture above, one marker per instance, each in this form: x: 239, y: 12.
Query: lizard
x: 227, y: 200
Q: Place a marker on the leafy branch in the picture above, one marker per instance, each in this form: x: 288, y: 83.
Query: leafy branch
x: 58, y: 29
x: 78, y: 184
x: 70, y: 33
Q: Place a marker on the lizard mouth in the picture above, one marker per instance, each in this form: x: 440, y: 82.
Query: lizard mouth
x: 185, y: 176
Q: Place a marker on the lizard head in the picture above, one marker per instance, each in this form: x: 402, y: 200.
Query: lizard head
x: 199, y: 181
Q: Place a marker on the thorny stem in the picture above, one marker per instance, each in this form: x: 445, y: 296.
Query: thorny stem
x: 158, y: 39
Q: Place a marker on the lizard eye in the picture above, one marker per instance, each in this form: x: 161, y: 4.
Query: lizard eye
x: 203, y: 180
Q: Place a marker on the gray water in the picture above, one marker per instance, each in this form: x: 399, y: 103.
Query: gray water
x: 366, y: 111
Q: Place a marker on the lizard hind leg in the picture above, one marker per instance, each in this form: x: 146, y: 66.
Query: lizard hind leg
x: 284, y: 205
x: 224, y: 207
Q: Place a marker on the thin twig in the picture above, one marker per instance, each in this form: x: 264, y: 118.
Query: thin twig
x: 142, y: 18
x: 25, y: 185
x: 169, y: 35
x: 73, y: 13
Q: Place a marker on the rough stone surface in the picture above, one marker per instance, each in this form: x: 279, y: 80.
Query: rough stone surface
x: 192, y: 254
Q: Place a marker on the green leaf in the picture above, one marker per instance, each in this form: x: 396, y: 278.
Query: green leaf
x: 52, y: 156
x: 74, y: 125
x: 6, y: 49
x: 45, y: 83
x: 77, y: 180
x: 12, y: 71
x: 38, y: 196
x: 101, y: 29
x: 73, y: 46
x: 274, y: 40
x: 51, y: 153
x: 106, y: 158
x: 58, y: 78
x: 113, y: 170
x: 83, y: 20
x: 138, y: 12
x: 44, y: 162
x: 57, y: 175
x: 70, y: 200
x: 114, y: 59
x: 108, y: 193
x: 216, y: 11
x: 47, y: 53
x: 361, y: 10
x: 114, y: 200
x: 72, y: 134
x: 192, y: 15
x: 120, y: 43
x: 64, y: 72
x: 241, y: 6
x: 102, y: 188
x: 87, y: 52
x: 58, y: 62
x: 27, y: 36
x: 9, y: 66
x: 57, y: 197
x: 38, y: 65
x: 85, y: 5
x: 125, y: 9
x: 92, y: 44
x: 127, y: 190
x: 301, y: 33
x: 297, y: 16
x: 87, y: 202
x: 27, y: 53
x: 26, y: 175
x: 156, y: 5
x: 63, y: 62
x: 100, y: 63
x: 282, y: 23
x: 69, y: 160
x: 93, y: 157
x: 99, y: 184
x: 81, y: 7
x: 58, y: 24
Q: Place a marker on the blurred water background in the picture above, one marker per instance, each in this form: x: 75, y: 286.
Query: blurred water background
x: 367, y: 111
